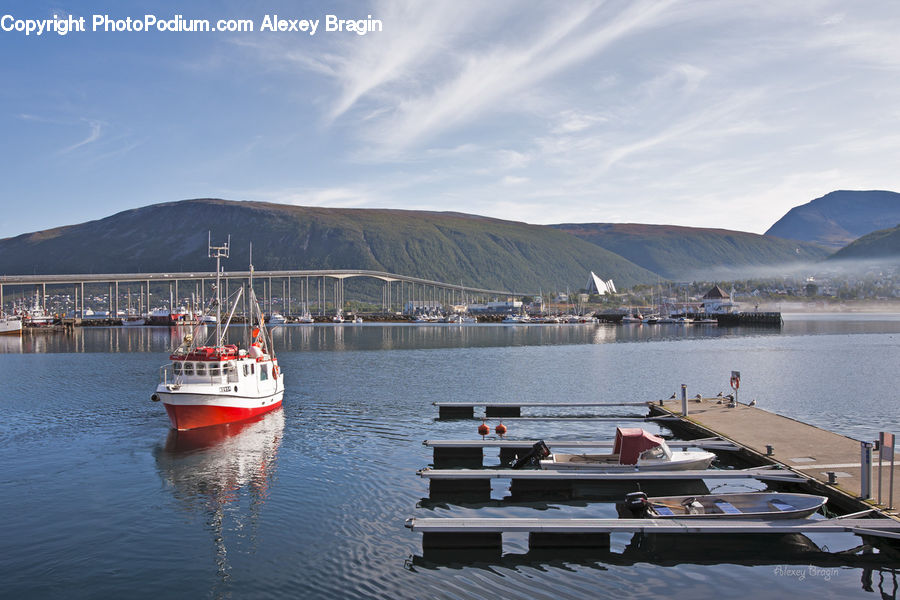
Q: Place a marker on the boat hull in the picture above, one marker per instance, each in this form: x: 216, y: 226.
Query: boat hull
x: 193, y: 411
x: 756, y: 505
x: 684, y: 461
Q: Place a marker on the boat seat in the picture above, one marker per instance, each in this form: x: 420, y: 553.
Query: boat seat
x: 663, y: 510
x: 727, y: 507
x: 781, y: 505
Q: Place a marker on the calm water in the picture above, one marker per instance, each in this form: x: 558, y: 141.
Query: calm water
x: 103, y: 500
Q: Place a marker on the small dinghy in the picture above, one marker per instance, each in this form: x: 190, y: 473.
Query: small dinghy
x: 754, y: 505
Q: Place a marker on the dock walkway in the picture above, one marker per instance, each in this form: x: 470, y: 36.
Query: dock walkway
x: 803, y: 448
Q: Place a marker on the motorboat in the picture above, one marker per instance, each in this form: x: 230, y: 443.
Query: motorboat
x: 751, y: 505
x: 634, y: 449
x: 277, y: 319
x: 10, y: 325
x: 215, y: 383
x: 338, y: 317
x: 306, y: 318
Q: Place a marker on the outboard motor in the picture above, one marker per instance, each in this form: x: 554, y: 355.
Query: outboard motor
x: 637, y: 504
x: 533, y: 457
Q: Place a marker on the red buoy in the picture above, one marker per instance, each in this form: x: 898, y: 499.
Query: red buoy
x: 500, y: 429
x: 483, y: 429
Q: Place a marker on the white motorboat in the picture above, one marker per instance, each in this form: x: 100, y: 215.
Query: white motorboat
x: 634, y: 449
x: 10, y: 325
x: 306, y: 318
x: 218, y: 383
x: 753, y: 505
x: 277, y: 319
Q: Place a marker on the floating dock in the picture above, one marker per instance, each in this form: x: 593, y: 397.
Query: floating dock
x: 466, y: 410
x: 476, y: 483
x: 449, y: 533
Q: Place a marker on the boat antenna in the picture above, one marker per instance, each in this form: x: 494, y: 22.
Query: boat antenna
x: 218, y: 252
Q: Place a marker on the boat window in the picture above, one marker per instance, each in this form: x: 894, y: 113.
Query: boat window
x: 252, y: 369
x: 214, y: 370
x: 246, y: 370
x: 201, y: 369
x: 188, y: 368
x: 176, y: 367
x: 263, y: 372
x: 653, y: 453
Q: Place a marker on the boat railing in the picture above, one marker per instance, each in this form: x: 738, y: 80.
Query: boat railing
x: 168, y: 374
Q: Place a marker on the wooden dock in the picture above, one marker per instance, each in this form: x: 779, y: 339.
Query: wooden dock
x: 804, y: 449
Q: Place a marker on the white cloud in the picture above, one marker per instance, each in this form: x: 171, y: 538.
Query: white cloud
x: 95, y: 128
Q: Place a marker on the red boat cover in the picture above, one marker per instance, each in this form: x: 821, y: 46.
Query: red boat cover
x: 631, y: 441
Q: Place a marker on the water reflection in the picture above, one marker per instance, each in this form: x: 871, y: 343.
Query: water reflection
x: 224, y: 473
x: 373, y: 336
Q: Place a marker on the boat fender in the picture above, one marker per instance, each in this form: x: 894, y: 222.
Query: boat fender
x: 155, y: 397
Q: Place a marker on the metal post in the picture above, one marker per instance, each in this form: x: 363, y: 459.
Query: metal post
x: 865, y: 473
x: 82, y: 299
x: 684, y: 402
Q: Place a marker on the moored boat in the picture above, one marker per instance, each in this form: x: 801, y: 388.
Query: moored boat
x: 752, y: 505
x: 634, y: 449
x: 218, y: 383
x: 10, y: 325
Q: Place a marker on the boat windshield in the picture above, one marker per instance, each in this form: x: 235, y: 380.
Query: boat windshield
x: 657, y: 453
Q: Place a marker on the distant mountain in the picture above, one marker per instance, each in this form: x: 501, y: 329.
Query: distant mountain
x: 687, y: 253
x: 449, y: 247
x: 838, y: 218
x: 881, y: 244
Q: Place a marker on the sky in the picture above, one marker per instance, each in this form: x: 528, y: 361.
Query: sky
x: 696, y: 113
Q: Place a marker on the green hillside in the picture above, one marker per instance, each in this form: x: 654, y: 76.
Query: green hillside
x: 453, y: 248
x: 882, y: 244
x: 687, y: 253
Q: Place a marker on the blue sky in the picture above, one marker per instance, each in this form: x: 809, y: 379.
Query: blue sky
x: 712, y: 114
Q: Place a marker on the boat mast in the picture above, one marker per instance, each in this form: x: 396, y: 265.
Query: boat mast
x: 218, y: 252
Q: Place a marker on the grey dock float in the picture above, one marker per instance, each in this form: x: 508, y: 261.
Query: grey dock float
x: 476, y: 483
x: 545, y: 533
x: 473, y: 450
x: 461, y: 410
x: 762, y: 473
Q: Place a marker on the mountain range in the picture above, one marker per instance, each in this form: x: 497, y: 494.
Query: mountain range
x: 451, y: 247
x: 838, y: 218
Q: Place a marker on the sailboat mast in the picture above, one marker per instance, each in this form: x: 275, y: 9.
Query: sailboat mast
x: 218, y: 252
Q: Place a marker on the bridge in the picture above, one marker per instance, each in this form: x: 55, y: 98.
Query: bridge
x: 313, y: 290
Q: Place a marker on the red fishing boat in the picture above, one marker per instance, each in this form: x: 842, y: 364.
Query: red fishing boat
x: 212, y: 383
